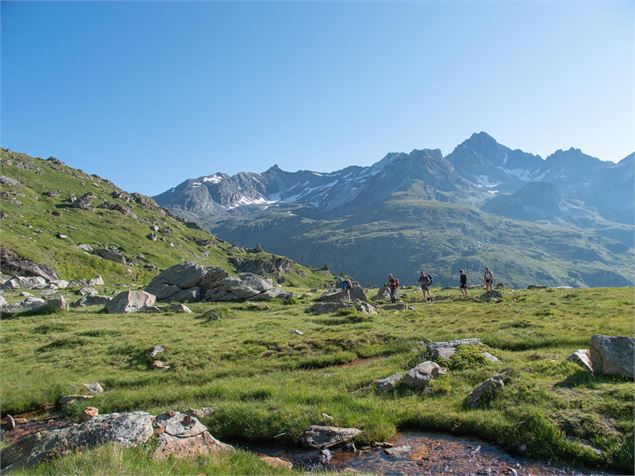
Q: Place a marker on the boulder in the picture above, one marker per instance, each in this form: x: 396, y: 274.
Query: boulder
x: 582, y: 357
x: 130, y: 301
x: 111, y: 255
x: 418, y: 377
x: 183, y: 275
x: 322, y: 437
x: 36, y: 305
x: 4, y: 180
x: 3, y: 301
x: 58, y: 284
x: 125, y: 429
x: 85, y: 247
x: 356, y: 292
x: 487, y: 390
x: 183, y: 436
x: 388, y: 384
x: 247, y: 286
x: 85, y: 202
x: 23, y: 282
x: 383, y: 293
x: 613, y: 355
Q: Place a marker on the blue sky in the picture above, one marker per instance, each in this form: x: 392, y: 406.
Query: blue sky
x: 148, y: 94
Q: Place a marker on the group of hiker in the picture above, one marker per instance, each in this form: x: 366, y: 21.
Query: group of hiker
x: 425, y: 282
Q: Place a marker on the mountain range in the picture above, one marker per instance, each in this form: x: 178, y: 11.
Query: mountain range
x: 564, y: 220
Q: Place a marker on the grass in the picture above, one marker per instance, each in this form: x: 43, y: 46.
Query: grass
x: 265, y: 381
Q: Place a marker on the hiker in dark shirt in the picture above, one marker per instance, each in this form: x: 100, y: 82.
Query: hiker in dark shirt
x: 425, y: 281
x: 393, y: 286
x: 463, y: 282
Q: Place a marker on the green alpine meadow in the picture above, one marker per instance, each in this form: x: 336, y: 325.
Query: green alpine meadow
x: 317, y: 238
x: 268, y: 370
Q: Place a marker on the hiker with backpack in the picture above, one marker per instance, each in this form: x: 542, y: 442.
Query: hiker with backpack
x: 488, y: 279
x: 425, y: 281
x: 346, y: 287
x: 393, y: 286
x: 463, y: 283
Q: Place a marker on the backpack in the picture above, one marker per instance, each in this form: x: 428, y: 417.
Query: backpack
x: 429, y: 279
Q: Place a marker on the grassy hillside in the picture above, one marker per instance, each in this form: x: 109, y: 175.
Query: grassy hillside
x: 33, y: 220
x: 264, y: 380
x: 407, y: 234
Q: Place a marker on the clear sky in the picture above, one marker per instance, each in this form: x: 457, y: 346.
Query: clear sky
x: 148, y: 94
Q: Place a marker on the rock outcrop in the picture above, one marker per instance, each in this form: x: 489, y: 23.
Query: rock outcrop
x: 487, y: 390
x: 613, y: 355
x: 189, y: 281
x: 420, y: 376
x: 12, y: 264
x: 322, y: 437
x: 126, y: 429
x: 183, y: 436
x: 337, y: 295
x: 130, y: 301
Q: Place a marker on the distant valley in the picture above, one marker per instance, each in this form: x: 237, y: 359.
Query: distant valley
x: 564, y: 220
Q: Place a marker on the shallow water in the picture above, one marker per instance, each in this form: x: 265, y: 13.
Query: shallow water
x: 419, y: 453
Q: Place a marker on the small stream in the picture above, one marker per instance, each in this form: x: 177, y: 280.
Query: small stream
x: 419, y: 453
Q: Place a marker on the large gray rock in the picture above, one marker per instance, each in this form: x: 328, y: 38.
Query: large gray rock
x: 36, y: 305
x: 183, y: 275
x: 183, y: 436
x: 247, y: 285
x: 3, y: 301
x: 25, y: 282
x: 383, y: 293
x: 339, y: 295
x: 111, y: 255
x: 13, y: 265
x: 419, y: 377
x: 85, y: 202
x: 613, y: 355
x: 322, y: 437
x: 487, y: 390
x: 125, y: 429
x: 130, y: 301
